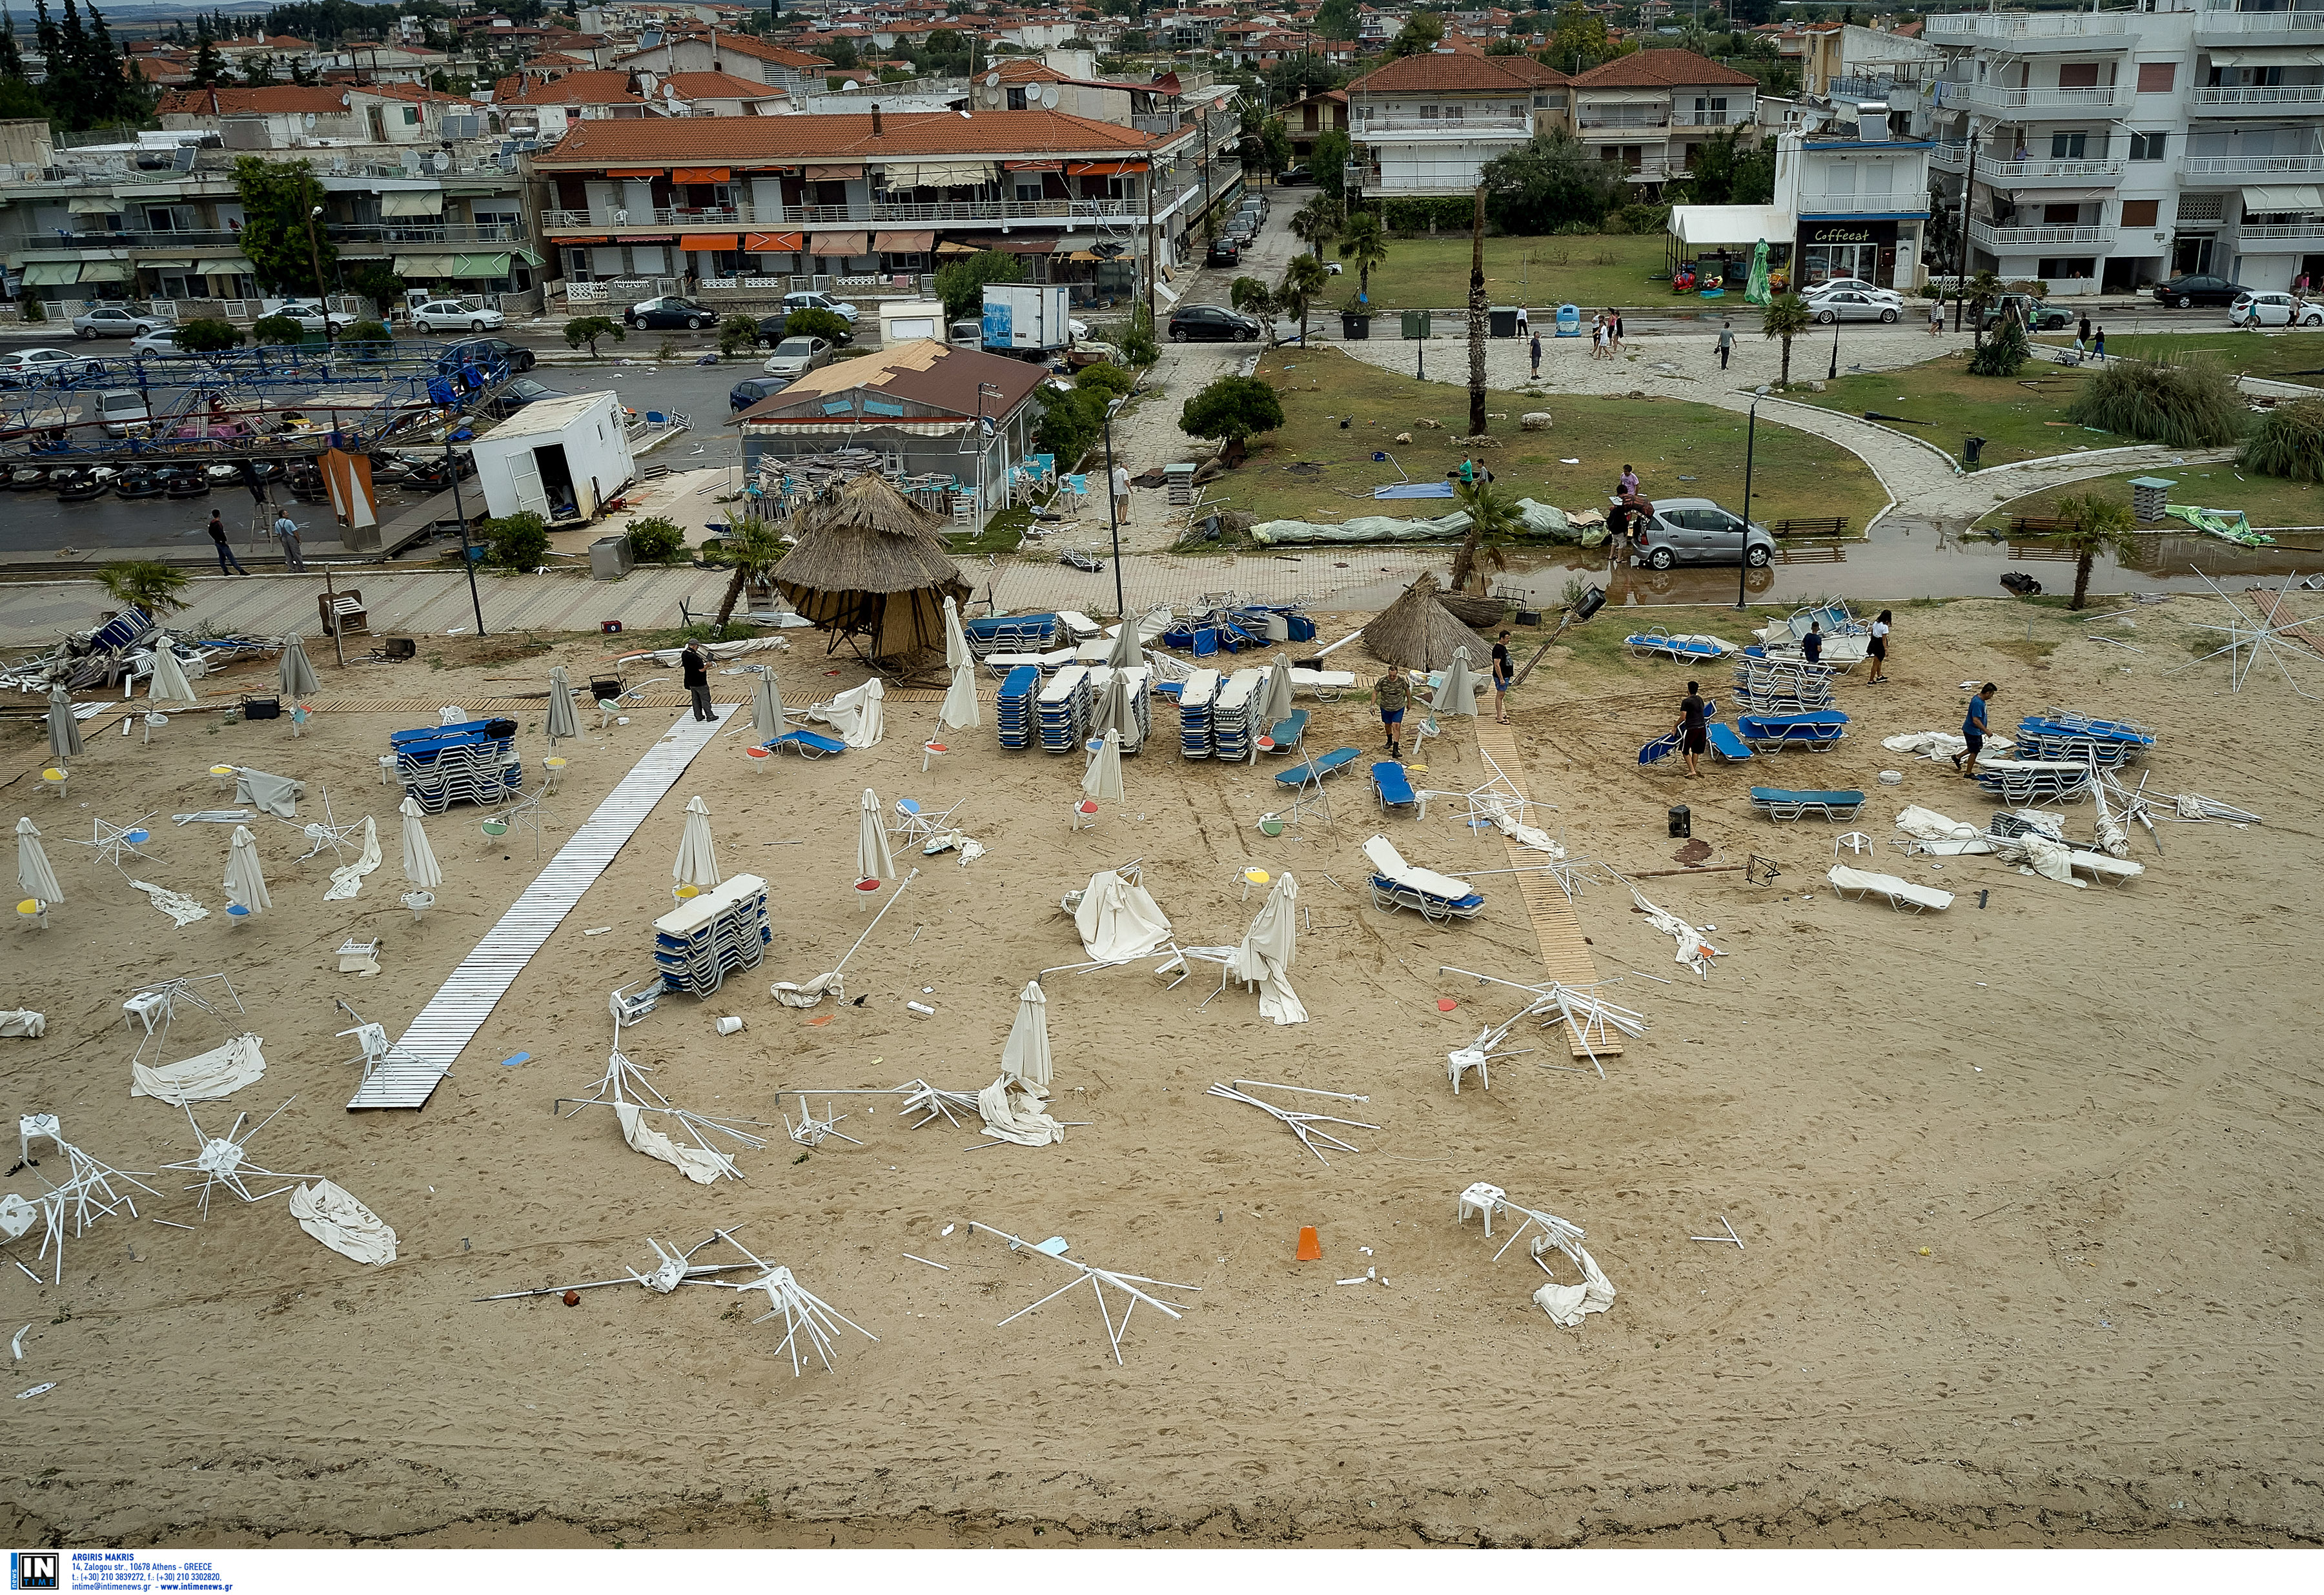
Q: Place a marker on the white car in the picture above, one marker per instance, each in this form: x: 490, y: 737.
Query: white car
x: 456, y: 316
x: 310, y: 316
x: 162, y: 343
x: 121, y: 408
x: 805, y: 300
x: 2274, y: 309
x: 30, y: 368
x: 1850, y: 306
x: 794, y: 357
x: 1850, y: 285
x: 113, y: 321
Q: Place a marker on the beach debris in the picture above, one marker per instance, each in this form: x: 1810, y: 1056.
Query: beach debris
x: 345, y: 1225
x: 1098, y: 1280
x: 1300, y: 1124
x: 2268, y: 634
x: 225, y: 1160
x: 1566, y: 1305
x: 86, y: 1193
x: 1731, y: 1235
x: 672, y: 1269
x: 828, y: 983
x: 1589, y: 1019
x: 640, y: 1108
x: 800, y: 1309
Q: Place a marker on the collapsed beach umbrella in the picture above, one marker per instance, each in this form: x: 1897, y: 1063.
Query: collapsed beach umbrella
x: 1418, y: 632
x: 246, y: 882
x: 1127, y: 651
x: 296, y: 674
x: 873, y: 859
x: 1026, y: 1057
x: 561, y: 721
x: 1275, y: 695
x: 1116, y: 711
x: 1103, y: 779
x: 170, y: 684
x: 767, y: 706
x: 419, y: 866
x: 1458, y: 696
x: 697, y: 855
x: 960, y: 711
x: 1264, y: 957
x: 33, y: 871
x: 64, y: 731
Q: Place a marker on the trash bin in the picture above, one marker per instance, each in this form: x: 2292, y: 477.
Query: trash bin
x: 610, y: 558
x: 1354, y: 326
x: 1501, y: 321
x: 1569, y: 321
x: 1970, y: 449
x: 1415, y: 324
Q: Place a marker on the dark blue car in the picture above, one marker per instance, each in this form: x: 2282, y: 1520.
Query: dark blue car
x: 749, y: 391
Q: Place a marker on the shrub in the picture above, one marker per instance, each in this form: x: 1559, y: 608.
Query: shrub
x: 1069, y: 422
x: 2004, y: 353
x: 519, y: 542
x: 277, y: 329
x: 656, y: 539
x: 370, y: 340
x: 1106, y: 378
x: 1234, y: 408
x: 2288, y: 442
x: 1616, y: 224
x: 829, y: 325
x: 2186, y: 404
x: 1138, y: 345
x: 588, y: 329
x: 1574, y: 230
x: 34, y: 310
x: 208, y: 336
x: 737, y: 335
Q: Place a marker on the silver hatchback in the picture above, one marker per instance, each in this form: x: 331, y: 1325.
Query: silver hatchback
x: 1697, y: 531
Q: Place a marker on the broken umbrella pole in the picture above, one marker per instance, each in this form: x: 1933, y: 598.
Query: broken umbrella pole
x: 1097, y: 1280
x: 677, y: 1268
x: 1300, y: 1124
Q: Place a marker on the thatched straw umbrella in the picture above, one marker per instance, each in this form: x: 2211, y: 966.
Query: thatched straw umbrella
x: 1417, y: 633
x: 870, y: 563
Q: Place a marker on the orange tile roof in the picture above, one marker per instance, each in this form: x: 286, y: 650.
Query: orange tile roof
x: 1662, y: 69
x: 903, y: 137
x: 1437, y: 74
x: 716, y: 86
x: 574, y: 89
x: 233, y: 102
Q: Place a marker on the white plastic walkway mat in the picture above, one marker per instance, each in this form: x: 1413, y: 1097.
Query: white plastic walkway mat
x: 458, y: 1011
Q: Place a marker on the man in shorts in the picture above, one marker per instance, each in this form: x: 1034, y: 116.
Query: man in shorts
x: 1693, y: 727
x: 1973, y: 730
x: 1502, y: 670
x: 1393, y: 695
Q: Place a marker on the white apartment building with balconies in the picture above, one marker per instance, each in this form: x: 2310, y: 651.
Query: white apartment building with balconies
x: 1424, y: 125
x: 2106, y: 150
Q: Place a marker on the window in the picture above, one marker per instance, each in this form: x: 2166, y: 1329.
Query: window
x: 169, y: 219
x: 1016, y: 100
x: 411, y: 115
x: 2147, y: 146
x: 2069, y: 147
x: 1029, y: 193
x: 1428, y: 112
x: 577, y: 265
x: 2078, y: 75
x: 2061, y: 215
x: 1455, y: 113
x: 2140, y: 213
x: 2157, y: 77
x: 2066, y: 267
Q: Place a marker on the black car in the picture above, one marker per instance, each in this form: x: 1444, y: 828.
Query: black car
x: 1291, y: 175
x: 1211, y: 321
x: 670, y: 310
x: 486, y: 351
x: 771, y: 331
x: 750, y: 390
x: 1223, y: 252
x: 524, y: 390
x: 2180, y: 292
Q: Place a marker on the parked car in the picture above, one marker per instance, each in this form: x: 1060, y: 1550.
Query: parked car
x: 750, y: 390
x: 1848, y: 305
x: 1847, y: 285
x: 774, y: 329
x: 1211, y: 321
x: 1697, y: 531
x: 1223, y: 252
x: 121, y: 408
x: 2036, y: 316
x: 31, y: 368
x: 520, y: 391
x: 159, y: 344
x: 2200, y: 288
x: 669, y: 311
x: 487, y: 352
x: 967, y: 333
x: 453, y: 315
x: 113, y: 321
x: 311, y: 315
x: 794, y: 357
x: 2274, y: 309
x: 1293, y: 176
x: 807, y: 299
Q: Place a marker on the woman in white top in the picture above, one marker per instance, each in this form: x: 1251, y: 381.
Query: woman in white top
x: 1878, y: 652
x: 1604, y: 334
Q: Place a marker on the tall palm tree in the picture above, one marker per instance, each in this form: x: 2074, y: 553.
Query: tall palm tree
x: 1303, y: 281
x: 1493, y: 518
x: 1477, y: 314
x: 1785, y: 316
x: 2090, y: 525
x: 1316, y: 223
x: 757, y: 547
x: 1365, y: 242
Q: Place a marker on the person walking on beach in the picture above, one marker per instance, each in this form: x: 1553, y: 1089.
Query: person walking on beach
x: 696, y: 667
x: 1726, y: 343
x: 1121, y: 492
x: 1535, y: 350
x: 286, y: 533
x: 1503, y: 669
x: 2082, y: 336
x: 1599, y: 335
x: 1615, y: 318
x: 1878, y: 652
x: 1973, y: 729
x: 224, y: 551
x: 1693, y: 727
x: 1393, y: 695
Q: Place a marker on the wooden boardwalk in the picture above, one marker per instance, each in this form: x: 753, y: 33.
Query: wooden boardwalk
x: 1564, y: 954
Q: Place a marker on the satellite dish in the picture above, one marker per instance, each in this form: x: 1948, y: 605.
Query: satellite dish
x: 851, y: 85
x: 1049, y: 97
x: 992, y: 81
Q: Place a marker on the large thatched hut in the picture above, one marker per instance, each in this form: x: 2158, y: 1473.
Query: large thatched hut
x: 871, y: 566
x: 1419, y: 634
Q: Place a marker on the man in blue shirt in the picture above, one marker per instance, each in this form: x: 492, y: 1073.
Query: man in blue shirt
x: 1812, y: 645
x: 1973, y: 732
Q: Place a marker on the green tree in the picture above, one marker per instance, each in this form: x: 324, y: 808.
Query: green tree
x: 368, y: 341
x: 1317, y: 222
x: 1336, y: 19
x: 2090, y: 525
x: 1255, y: 298
x: 656, y: 539
x: 376, y: 281
x: 1304, y: 281
x: 145, y: 584
x: 1981, y: 291
x: 1234, y: 408
x: 1329, y: 163
x: 1069, y: 422
x: 277, y: 329
x: 1364, y: 245
x: 756, y: 548
x: 1274, y: 145
x: 1580, y: 41
x: 1422, y: 33
x: 588, y: 329
x: 2005, y: 352
x: 517, y: 541
x: 1137, y: 346
x: 207, y: 335
x: 961, y: 285
x: 1785, y: 316
x: 1494, y: 519
x: 277, y: 198
x: 1106, y: 378
x: 828, y: 325
x: 737, y: 335
x: 1551, y: 181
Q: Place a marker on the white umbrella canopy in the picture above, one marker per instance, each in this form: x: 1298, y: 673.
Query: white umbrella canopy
x: 1026, y: 1056
x: 1275, y: 693
x: 32, y: 870
x: 1458, y: 696
x: 1126, y: 650
x: 561, y: 721
x: 1115, y: 710
x: 296, y: 674
x: 170, y: 684
x: 1264, y: 956
x: 767, y: 706
x: 697, y: 855
x: 419, y: 866
x: 961, y: 711
x: 1103, y: 779
x: 64, y: 731
x: 246, y: 882
x: 873, y: 859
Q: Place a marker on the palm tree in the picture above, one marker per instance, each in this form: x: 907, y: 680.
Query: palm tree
x: 757, y: 549
x: 1982, y: 291
x: 1316, y: 223
x: 2090, y: 525
x: 1785, y: 317
x: 144, y: 583
x: 1365, y: 242
x: 1254, y: 298
x: 1493, y: 518
x: 1302, y: 280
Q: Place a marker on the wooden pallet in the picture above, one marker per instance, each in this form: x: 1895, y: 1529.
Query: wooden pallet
x: 1564, y: 954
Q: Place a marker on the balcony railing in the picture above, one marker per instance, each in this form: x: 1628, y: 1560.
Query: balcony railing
x: 615, y: 219
x: 2281, y: 230
x: 2249, y: 165
x: 1509, y: 127
x: 1961, y: 27
x: 1995, y: 98
x: 1654, y: 116
x: 1727, y: 118
x: 2220, y: 17
x: 2034, y: 170
x: 2256, y: 94
x: 1997, y: 238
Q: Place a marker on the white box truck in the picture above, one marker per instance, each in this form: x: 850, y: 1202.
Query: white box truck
x: 903, y: 320
x: 1030, y: 318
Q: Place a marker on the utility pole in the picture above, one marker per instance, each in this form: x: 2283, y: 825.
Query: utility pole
x: 467, y: 551
x: 1153, y: 260
x: 1477, y: 311
x: 1960, y: 249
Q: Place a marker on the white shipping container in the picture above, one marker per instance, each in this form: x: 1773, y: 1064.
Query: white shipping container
x: 556, y: 458
x: 1027, y: 316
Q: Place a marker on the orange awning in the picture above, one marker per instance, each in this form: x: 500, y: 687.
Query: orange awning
x: 847, y: 246
x: 635, y: 170
x: 908, y: 243
x: 1105, y: 167
x: 772, y: 243
x: 700, y: 174
x: 711, y: 241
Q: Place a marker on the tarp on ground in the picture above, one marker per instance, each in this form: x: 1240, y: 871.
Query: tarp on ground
x: 1545, y: 521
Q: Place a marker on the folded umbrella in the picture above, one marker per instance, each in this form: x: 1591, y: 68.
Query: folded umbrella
x: 767, y: 706
x: 1026, y: 1056
x: 296, y: 674
x: 1275, y: 695
x: 1103, y: 779
x: 873, y: 859
x: 246, y: 882
x: 561, y: 721
x: 64, y: 731
x: 1116, y: 711
x: 32, y: 870
x: 1458, y: 695
x: 419, y: 866
x: 1126, y: 650
x: 170, y: 684
x: 697, y: 855
x: 961, y: 711
x: 1264, y: 955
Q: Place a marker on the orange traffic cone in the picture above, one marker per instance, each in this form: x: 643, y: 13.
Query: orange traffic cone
x: 1311, y: 1251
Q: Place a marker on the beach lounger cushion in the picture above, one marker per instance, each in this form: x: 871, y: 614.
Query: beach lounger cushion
x: 807, y: 743
x: 1434, y: 895
x: 1784, y: 804
x: 1725, y: 744
x: 1287, y: 733
x: 1901, y: 894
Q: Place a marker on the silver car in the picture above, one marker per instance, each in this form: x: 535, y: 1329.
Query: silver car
x: 794, y: 357
x: 113, y: 321
x: 1697, y: 531
x: 1849, y: 304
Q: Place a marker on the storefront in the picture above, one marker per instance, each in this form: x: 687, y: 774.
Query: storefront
x: 1853, y: 246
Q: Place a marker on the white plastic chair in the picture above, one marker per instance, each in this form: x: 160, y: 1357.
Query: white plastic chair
x: 1481, y: 1198
x: 1853, y: 841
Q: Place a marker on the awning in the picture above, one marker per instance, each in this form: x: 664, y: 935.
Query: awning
x: 421, y: 265
x: 952, y: 246
x: 1732, y: 224
x: 412, y: 202
x: 635, y: 170
x: 1024, y: 245
x: 938, y: 174
x: 480, y: 265
x: 85, y: 207
x: 1032, y: 165
x: 2290, y: 196
x: 772, y: 243
x: 167, y: 265
x: 907, y: 242
x: 2266, y: 55
x: 711, y: 241
x: 701, y: 174
x: 833, y: 174
x: 1105, y: 167
x: 105, y: 271
x: 52, y: 273
x: 222, y: 260
x: 846, y: 244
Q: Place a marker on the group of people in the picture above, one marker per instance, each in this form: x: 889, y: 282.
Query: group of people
x: 1606, y: 335
x: 2086, y: 343
x: 1392, y: 694
x: 286, y: 533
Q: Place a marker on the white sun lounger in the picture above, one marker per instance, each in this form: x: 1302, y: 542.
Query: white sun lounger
x: 1901, y: 894
x: 1397, y: 884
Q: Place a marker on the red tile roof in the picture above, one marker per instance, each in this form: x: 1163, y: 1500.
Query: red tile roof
x: 574, y: 89
x: 996, y: 133
x: 1662, y: 69
x: 1457, y: 73
x: 244, y: 102
x: 716, y: 86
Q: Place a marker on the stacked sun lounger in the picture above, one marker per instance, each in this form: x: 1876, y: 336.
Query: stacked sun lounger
x: 725, y: 928
x: 2031, y: 780
x: 1818, y: 733
x: 1782, y: 687
x: 1232, y: 713
x: 473, y: 761
x: 1195, y: 713
x: 1012, y: 633
x: 1659, y: 643
x: 1049, y: 663
x: 1066, y: 707
x: 1013, y: 708
x: 2061, y: 736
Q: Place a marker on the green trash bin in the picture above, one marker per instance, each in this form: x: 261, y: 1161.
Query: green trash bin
x: 1415, y: 324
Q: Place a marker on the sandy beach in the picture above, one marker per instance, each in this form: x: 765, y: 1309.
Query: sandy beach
x: 2026, y: 1188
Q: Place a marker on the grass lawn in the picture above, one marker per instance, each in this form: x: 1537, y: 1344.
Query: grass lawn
x: 2020, y: 418
x: 2268, y: 500
x: 2292, y: 357
x: 1314, y: 470
x: 1432, y: 273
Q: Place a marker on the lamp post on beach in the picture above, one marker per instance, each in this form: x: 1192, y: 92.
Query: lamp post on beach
x: 1113, y: 514
x: 1750, y: 437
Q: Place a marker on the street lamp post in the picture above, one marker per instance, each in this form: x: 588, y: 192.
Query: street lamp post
x: 315, y: 257
x: 1113, y: 516
x: 1832, y: 374
x: 1750, y: 437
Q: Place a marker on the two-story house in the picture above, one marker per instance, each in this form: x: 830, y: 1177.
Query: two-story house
x: 1427, y: 124
x: 1858, y: 201
x: 1647, y: 113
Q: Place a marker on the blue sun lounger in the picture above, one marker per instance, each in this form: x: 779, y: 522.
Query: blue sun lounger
x: 1778, y: 803
x: 807, y: 744
x: 1392, y: 787
x: 1287, y: 732
x: 1437, y: 898
x: 1317, y: 769
x: 1725, y: 745
x: 1817, y: 732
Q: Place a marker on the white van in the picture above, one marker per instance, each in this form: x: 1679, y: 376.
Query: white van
x: 121, y: 409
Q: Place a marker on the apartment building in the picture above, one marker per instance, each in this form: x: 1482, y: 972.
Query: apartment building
x: 2103, y: 151
x: 1647, y: 113
x: 1427, y: 124
x: 1857, y: 201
